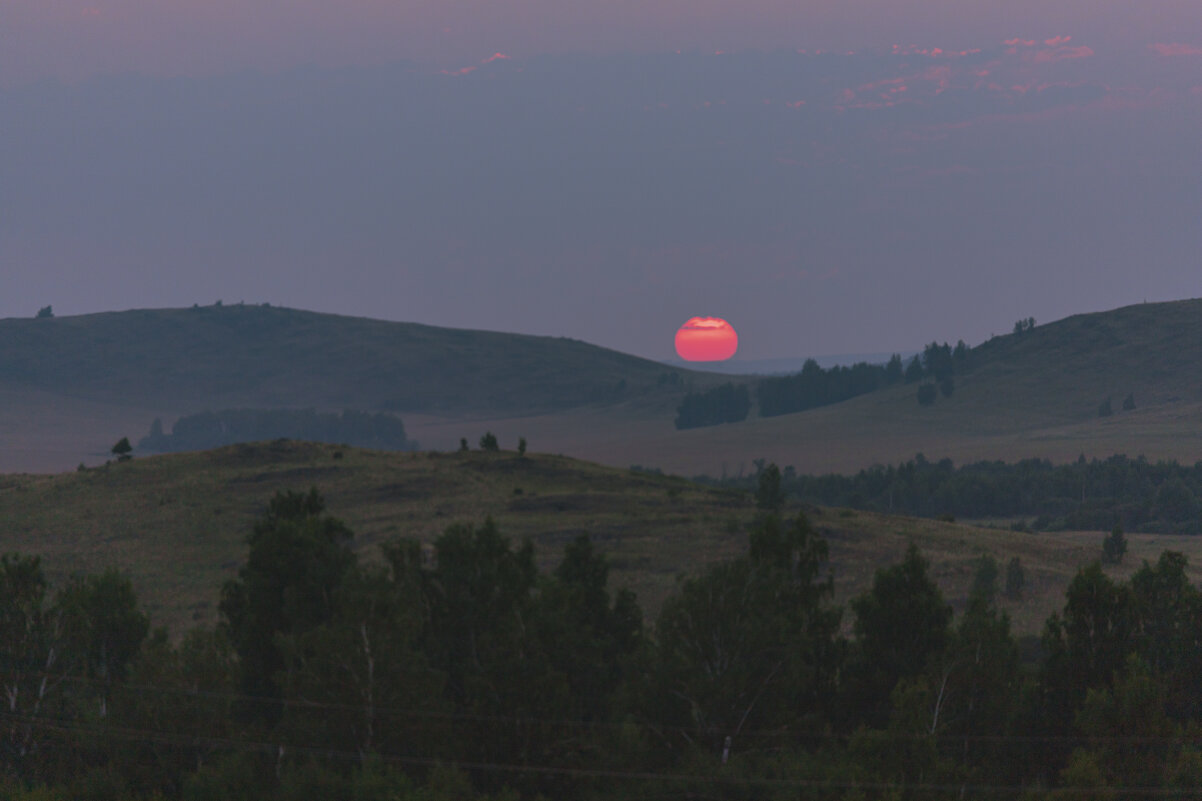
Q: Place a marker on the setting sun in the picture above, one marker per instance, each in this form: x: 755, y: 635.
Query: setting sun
x: 706, y: 339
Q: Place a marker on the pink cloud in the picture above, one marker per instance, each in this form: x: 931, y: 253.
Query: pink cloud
x: 1062, y: 53
x: 1176, y: 49
x: 473, y: 68
x: 1018, y: 42
x: 1056, y: 41
x: 933, y: 52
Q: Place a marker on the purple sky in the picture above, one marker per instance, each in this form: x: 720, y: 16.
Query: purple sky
x: 369, y: 157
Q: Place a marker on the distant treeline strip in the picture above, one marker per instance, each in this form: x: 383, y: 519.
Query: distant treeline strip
x: 728, y: 403
x: 214, y: 429
x: 1095, y: 495
x: 814, y: 386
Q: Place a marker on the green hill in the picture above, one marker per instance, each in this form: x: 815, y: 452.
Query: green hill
x: 70, y: 387
x: 177, y: 523
x: 231, y: 356
x: 1031, y: 395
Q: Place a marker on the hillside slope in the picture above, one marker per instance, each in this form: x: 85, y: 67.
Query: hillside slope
x: 70, y: 387
x: 177, y: 523
x: 1030, y: 395
x: 265, y: 356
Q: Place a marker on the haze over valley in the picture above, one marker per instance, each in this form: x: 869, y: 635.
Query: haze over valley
x: 528, y: 400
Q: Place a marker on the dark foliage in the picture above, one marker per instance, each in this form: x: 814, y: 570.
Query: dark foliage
x: 213, y: 429
x: 728, y: 403
x: 814, y: 386
x: 1016, y: 579
x: 1097, y: 494
x: 457, y: 671
x: 123, y: 449
x: 1114, y: 547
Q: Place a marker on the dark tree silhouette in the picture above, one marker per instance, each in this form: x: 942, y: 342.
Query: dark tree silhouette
x: 123, y: 449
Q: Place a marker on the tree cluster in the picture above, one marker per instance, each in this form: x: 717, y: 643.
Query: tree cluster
x: 728, y: 403
x: 1097, y: 494
x: 814, y: 386
x: 458, y: 670
x: 207, y: 430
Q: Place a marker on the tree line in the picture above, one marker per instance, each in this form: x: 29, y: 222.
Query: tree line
x: 933, y: 369
x: 459, y: 670
x: 208, y: 429
x: 1094, y: 494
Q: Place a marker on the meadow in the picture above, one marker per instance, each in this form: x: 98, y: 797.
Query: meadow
x: 176, y: 524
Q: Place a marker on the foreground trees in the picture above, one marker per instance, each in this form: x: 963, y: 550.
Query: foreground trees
x: 751, y: 643
x: 458, y: 670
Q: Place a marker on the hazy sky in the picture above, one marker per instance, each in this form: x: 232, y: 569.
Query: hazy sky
x: 939, y: 170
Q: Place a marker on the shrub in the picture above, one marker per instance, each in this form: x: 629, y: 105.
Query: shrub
x: 1114, y: 547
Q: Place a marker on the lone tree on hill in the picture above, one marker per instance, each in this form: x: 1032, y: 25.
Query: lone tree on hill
x: 1114, y: 547
x: 488, y: 442
x: 45, y: 313
x: 123, y: 449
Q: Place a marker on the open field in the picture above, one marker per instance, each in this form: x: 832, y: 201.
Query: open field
x: 177, y: 523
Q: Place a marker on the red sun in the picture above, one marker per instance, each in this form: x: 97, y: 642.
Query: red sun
x: 706, y: 339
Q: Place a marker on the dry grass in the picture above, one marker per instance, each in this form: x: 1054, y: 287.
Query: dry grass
x: 177, y: 523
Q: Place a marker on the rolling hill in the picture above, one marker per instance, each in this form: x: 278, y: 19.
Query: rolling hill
x: 265, y: 356
x: 1031, y: 395
x: 70, y: 387
x: 177, y: 523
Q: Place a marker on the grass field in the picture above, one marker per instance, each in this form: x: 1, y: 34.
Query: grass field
x: 177, y: 523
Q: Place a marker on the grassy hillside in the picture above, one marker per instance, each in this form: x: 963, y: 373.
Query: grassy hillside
x: 221, y: 356
x: 1032, y: 395
x: 177, y: 523
x: 70, y: 387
